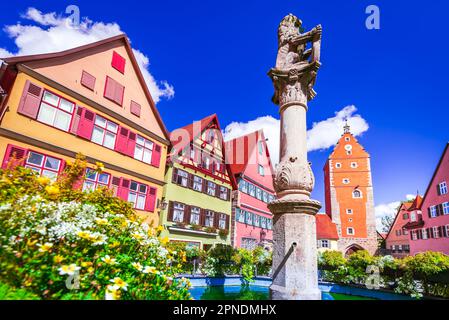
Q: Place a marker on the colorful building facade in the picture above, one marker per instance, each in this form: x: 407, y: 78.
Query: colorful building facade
x: 349, y: 195
x: 251, y: 165
x: 198, y: 186
x: 326, y: 233
x: 91, y: 100
x: 431, y: 233
x: 397, y: 241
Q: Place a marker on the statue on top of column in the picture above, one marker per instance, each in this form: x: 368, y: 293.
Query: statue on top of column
x: 295, y: 61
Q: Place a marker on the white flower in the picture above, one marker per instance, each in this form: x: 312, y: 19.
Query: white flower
x: 69, y: 270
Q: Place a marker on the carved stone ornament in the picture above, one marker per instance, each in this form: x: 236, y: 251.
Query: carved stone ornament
x: 293, y: 175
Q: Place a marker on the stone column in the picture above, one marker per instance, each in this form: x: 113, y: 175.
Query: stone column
x: 295, y: 272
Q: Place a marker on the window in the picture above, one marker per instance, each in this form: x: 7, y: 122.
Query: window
x: 257, y: 220
x: 209, y: 221
x: 350, y: 231
x: 114, y: 91
x: 398, y: 232
x: 182, y: 178
x: 405, y: 216
x: 405, y: 231
x: 243, y: 186
x: 347, y: 139
x: 263, y: 222
x: 105, y: 132
x: 223, y: 193
x: 222, y: 221
x: 118, y: 62
x: 195, y: 215
x: 260, y: 147
x: 211, y: 188
x: 259, y: 193
x: 354, y: 165
x: 94, y: 180
x: 349, y: 211
x: 356, y: 194
x: 261, y: 170
x: 406, y: 248
x: 348, y: 152
x: 43, y: 165
x: 143, y: 150
x: 338, y: 165
x: 443, y: 188
x: 350, y: 220
x: 205, y: 163
x: 433, y: 211
x: 324, y: 243
x: 135, y: 108
x: 265, y: 197
x: 414, y: 235
x: 346, y: 181
x: 269, y: 224
x: 413, y: 216
x: 210, y: 135
x: 178, y: 212
x: 56, y: 111
x: 446, y: 208
x: 197, y: 184
x: 249, y: 218
x: 436, y: 233
x: 447, y: 230
x: 252, y: 190
x: 424, y: 234
x: 240, y: 215
x: 137, y: 195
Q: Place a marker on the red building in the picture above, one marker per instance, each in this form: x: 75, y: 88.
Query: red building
x: 432, y: 232
x: 398, y: 238
x: 251, y: 165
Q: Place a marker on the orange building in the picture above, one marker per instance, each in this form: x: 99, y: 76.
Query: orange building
x: 349, y: 195
x: 91, y: 100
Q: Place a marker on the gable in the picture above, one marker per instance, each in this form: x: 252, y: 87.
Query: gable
x: 100, y: 65
x: 340, y: 150
x: 440, y: 174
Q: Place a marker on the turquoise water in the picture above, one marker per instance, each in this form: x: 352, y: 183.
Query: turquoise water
x: 251, y: 292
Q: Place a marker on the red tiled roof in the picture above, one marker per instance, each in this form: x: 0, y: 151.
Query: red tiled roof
x: 325, y: 228
x: 233, y: 157
x: 416, y: 205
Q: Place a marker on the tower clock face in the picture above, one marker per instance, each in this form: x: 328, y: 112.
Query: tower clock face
x: 348, y: 147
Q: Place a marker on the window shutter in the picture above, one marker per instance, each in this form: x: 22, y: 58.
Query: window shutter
x: 135, y: 108
x: 174, y: 176
x: 62, y: 167
x: 170, y: 211
x: 150, y: 202
x: 443, y: 229
x: 123, y: 190
x: 121, y: 144
x: 438, y: 190
x: 187, y: 211
x: 228, y: 194
x: 217, y: 190
x: 440, y: 232
x: 30, y: 100
x: 439, y: 210
x: 202, y: 217
x: 156, y: 156
x: 16, y: 152
x: 118, y: 62
x: 86, y: 124
x: 429, y: 213
x: 88, y: 80
x: 227, y: 222
x: 204, y: 186
x: 118, y: 94
x: 216, y: 218
x: 190, y: 181
x: 432, y: 235
x: 115, y: 185
x: 109, y: 88
x: 76, y: 119
x: 131, y: 144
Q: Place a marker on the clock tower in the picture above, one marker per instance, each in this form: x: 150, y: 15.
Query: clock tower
x: 349, y: 195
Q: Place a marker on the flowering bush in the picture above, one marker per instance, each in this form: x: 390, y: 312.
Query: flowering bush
x: 60, y: 243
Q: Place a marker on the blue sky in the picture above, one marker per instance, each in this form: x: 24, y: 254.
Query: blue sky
x: 216, y: 55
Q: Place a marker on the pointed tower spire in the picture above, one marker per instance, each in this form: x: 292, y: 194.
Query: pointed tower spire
x: 347, y: 128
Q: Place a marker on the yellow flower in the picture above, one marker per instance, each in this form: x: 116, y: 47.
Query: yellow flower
x: 84, y: 234
x: 58, y: 259
x: 90, y: 269
x: 159, y: 229
x: 85, y: 264
x: 52, y: 190
x: 69, y: 163
x: 101, y: 222
x: 112, y: 293
x: 45, y: 247
x: 31, y: 243
x: 114, y: 244
x: 151, y: 270
x: 43, y: 180
x: 69, y: 270
x: 119, y: 284
x: 164, y: 240
x: 137, y: 266
x: 137, y: 236
x: 99, y: 166
x: 108, y: 260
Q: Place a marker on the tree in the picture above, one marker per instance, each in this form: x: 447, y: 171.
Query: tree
x: 387, y: 223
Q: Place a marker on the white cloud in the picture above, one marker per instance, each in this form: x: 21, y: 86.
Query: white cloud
x: 386, y: 209
x: 323, y: 135
x: 49, y: 32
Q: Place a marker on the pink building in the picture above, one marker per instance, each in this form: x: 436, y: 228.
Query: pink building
x: 398, y: 240
x: 432, y: 234
x: 251, y: 165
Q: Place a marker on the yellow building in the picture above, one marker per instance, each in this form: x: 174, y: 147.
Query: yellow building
x: 91, y: 100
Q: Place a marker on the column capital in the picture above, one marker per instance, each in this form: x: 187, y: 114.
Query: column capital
x: 294, y: 206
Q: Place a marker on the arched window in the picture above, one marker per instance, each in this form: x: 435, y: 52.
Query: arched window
x: 356, y: 194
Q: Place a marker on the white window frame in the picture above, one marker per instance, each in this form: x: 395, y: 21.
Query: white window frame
x: 350, y: 233
x: 446, y: 208
x: 109, y: 127
x: 195, y: 214
x: 436, y: 233
x: 354, y: 165
x: 222, y: 221
x: 349, y: 211
x: 338, y: 165
x: 223, y: 193
x: 346, y: 181
x: 42, y: 169
x: 143, y: 150
x: 198, y: 183
x: 424, y: 234
x: 413, y: 217
x: 57, y: 110
x: 443, y: 187
x: 136, y: 196
x: 360, y: 192
x: 433, y: 211
x: 178, y: 212
x: 211, y: 186
x: 92, y: 180
x: 182, y: 178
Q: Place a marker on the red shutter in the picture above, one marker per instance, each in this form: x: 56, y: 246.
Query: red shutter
x: 109, y: 88
x: 187, y: 211
x: 216, y: 218
x: 227, y: 222
x: 115, y: 185
x: 174, y: 177
x: 135, y: 108
x: 131, y: 144
x: 88, y: 80
x: 170, y: 211
x: 156, y: 156
x: 202, y: 217
x: 123, y: 189
x: 76, y: 120
x: 31, y: 99
x: 121, y: 144
x: 86, y: 123
x: 118, y: 62
x: 150, y: 202
x: 119, y: 92
x: 16, y: 152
